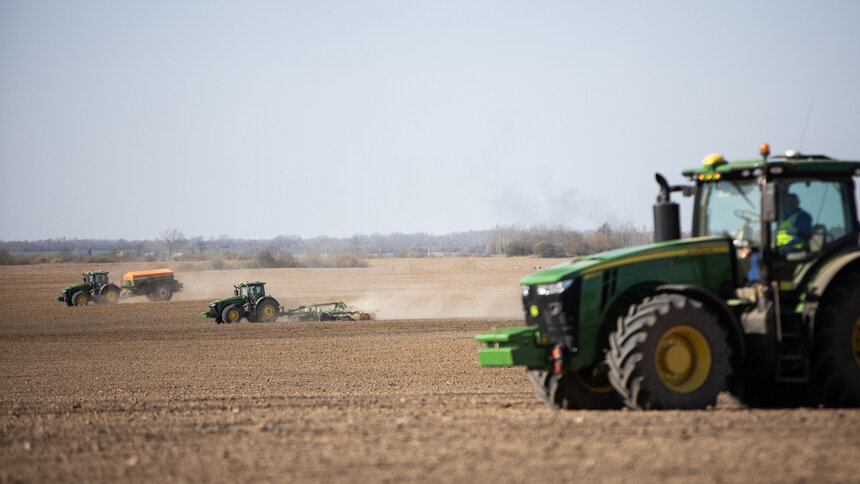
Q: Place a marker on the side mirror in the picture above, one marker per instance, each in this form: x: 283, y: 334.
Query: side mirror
x: 768, y: 203
x: 235, y: 292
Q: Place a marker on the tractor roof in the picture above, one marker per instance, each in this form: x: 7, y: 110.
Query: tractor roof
x: 248, y: 283
x: 715, y: 167
x: 96, y: 272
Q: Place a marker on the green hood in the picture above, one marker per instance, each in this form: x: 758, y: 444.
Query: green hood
x: 590, y: 264
x: 84, y: 286
x: 226, y: 300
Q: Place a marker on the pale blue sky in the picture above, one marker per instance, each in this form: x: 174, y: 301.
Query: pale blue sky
x: 255, y: 119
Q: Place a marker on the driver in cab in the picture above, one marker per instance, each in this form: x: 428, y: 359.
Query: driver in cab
x: 794, y: 227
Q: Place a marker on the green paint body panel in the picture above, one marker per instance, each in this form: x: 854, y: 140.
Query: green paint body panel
x: 68, y: 292
x: 613, y: 280
x: 514, y: 346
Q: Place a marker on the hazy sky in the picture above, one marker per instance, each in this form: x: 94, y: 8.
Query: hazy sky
x: 256, y: 119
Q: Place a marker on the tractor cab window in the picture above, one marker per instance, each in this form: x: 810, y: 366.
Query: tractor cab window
x: 99, y: 279
x: 731, y: 209
x: 812, y: 214
x: 252, y: 292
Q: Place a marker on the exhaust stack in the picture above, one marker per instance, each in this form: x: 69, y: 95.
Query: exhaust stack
x: 667, y: 219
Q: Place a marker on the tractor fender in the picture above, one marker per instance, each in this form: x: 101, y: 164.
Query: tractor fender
x: 736, y: 333
x: 266, y: 298
x: 822, y: 282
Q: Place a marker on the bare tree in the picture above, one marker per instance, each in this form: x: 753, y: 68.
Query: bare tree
x: 170, y: 239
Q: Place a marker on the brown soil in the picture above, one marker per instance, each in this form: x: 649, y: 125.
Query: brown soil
x: 154, y: 392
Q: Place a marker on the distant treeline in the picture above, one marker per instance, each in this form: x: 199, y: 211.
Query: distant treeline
x: 285, y: 250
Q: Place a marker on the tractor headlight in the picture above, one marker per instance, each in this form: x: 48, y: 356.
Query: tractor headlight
x: 525, y: 290
x: 554, y: 288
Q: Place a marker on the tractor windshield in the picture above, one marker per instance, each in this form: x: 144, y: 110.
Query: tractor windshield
x: 730, y: 208
x: 252, y: 292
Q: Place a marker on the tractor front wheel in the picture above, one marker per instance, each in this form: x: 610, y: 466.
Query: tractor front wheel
x: 231, y: 314
x: 836, y: 344
x: 80, y: 298
x: 669, y: 352
x: 585, y: 389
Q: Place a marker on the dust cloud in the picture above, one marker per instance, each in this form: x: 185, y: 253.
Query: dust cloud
x: 389, y: 289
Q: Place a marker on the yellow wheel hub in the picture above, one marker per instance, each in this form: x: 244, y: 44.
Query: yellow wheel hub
x: 268, y: 311
x: 233, y: 315
x: 683, y: 359
x: 80, y: 299
x: 855, y: 341
x: 111, y: 297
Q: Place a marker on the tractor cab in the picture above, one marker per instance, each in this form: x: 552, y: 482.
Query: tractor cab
x: 782, y: 213
x: 96, y: 278
x: 250, y: 291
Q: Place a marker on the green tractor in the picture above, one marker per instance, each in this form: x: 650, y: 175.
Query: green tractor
x: 762, y: 301
x: 95, y: 287
x: 249, y: 301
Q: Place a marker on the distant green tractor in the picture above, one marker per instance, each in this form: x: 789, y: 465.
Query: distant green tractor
x: 762, y: 301
x: 155, y: 284
x: 249, y: 301
x: 95, y: 287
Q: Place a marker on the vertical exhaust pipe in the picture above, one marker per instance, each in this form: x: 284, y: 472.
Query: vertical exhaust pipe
x: 667, y: 219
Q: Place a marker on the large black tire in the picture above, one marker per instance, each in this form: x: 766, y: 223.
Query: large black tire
x: 80, y: 298
x: 669, y: 352
x: 574, y: 389
x: 267, y: 311
x: 110, y: 294
x: 231, y: 314
x: 162, y: 292
x: 836, y: 344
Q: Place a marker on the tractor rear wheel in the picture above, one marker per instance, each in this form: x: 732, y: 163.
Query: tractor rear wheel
x: 80, y: 298
x: 162, y: 292
x: 231, y: 314
x: 669, y: 352
x: 110, y: 295
x: 836, y: 344
x: 267, y: 312
x: 575, y: 389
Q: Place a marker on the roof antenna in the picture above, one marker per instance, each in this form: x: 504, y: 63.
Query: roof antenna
x: 805, y: 124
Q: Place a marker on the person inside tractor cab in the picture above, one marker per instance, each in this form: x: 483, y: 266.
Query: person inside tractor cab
x: 254, y: 292
x: 794, y: 226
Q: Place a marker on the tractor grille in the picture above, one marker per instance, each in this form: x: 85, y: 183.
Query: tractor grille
x: 557, y: 315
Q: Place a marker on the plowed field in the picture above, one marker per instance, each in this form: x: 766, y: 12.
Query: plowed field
x: 151, y: 391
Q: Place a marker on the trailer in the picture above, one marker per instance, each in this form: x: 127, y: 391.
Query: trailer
x: 155, y: 284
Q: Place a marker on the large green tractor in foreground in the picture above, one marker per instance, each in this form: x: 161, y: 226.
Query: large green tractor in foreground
x: 762, y: 301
